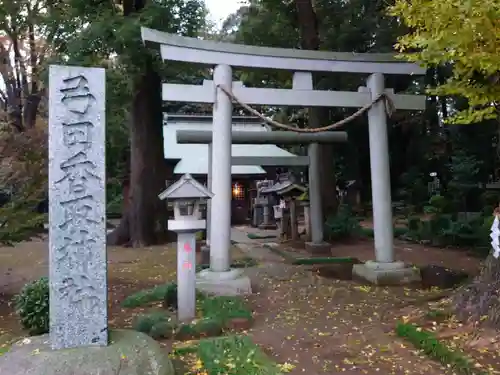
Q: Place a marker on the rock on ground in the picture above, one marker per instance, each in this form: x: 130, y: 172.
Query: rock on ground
x: 129, y: 353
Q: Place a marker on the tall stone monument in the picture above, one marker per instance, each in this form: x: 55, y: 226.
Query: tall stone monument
x: 77, y: 210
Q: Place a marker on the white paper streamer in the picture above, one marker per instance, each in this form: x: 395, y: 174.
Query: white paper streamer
x: 495, y: 237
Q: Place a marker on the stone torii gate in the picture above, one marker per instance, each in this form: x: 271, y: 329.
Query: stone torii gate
x: 222, y: 91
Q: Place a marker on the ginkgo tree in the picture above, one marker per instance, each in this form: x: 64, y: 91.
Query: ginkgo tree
x: 464, y: 34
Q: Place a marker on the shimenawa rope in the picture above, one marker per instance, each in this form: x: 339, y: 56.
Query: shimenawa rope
x: 389, y: 107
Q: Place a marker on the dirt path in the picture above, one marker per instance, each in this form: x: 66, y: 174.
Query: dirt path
x: 129, y: 270
x: 324, y: 326
x: 318, y: 325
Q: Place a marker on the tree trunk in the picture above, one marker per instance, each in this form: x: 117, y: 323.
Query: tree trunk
x: 309, y: 35
x: 479, y: 301
x: 142, y: 223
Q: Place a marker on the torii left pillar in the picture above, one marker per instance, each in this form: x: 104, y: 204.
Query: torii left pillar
x: 220, y: 279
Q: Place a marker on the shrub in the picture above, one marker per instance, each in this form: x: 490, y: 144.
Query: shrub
x: 23, y: 174
x: 145, y: 323
x: 32, y: 306
x: 147, y: 296
x: 437, y: 205
x: 342, y: 225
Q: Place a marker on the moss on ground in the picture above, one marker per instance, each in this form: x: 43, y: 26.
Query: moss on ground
x: 437, y: 350
x: 216, y: 313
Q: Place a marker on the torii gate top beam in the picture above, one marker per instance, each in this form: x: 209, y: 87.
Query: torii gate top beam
x: 178, y: 48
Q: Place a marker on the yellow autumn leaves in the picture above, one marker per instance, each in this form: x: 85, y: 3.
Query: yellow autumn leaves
x: 463, y: 33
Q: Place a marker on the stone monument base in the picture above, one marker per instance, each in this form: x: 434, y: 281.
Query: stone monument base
x: 394, y: 273
x: 129, y: 353
x: 322, y: 248
x: 229, y: 283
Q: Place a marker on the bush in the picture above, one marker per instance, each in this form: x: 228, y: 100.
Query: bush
x: 342, y: 225
x: 32, y: 306
x: 145, y: 297
x: 145, y: 323
x: 24, y: 176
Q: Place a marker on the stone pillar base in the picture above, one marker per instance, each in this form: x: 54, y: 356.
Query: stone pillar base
x: 229, y: 283
x: 323, y: 248
x: 394, y: 273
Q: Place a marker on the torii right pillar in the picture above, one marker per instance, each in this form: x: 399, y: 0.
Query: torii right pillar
x: 384, y: 270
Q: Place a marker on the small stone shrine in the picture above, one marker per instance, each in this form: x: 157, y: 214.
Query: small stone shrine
x: 287, y: 190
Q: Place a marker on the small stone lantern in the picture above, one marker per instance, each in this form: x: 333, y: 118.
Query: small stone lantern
x: 186, y: 194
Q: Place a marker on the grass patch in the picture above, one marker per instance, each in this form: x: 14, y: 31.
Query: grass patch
x: 145, y: 297
x: 225, y: 308
x: 217, y: 313
x: 325, y: 260
x: 4, y: 349
x: 437, y: 350
x: 235, y: 355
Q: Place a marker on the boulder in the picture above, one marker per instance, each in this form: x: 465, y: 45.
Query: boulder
x: 129, y: 353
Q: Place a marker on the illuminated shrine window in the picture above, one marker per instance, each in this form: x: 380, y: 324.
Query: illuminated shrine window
x: 238, y: 191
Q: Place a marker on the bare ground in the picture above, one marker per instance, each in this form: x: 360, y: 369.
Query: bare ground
x: 317, y: 325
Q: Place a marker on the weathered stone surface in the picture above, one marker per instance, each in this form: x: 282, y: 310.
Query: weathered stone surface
x: 317, y: 249
x: 77, y: 198
x: 230, y: 283
x: 395, y: 273
x: 129, y: 353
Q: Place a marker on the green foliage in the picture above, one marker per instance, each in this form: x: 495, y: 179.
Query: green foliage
x: 431, y: 346
x: 413, y: 190
x: 200, y: 328
x: 342, y: 225
x: 216, y: 313
x: 444, y: 230
x: 23, y: 175
x: 465, y: 34
x: 145, y: 297
x: 437, y: 205
x: 156, y: 324
x: 32, y: 306
x: 234, y: 355
x: 224, y: 308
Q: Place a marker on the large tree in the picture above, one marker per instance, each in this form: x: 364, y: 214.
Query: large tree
x: 112, y: 34
x: 360, y: 26
x: 465, y: 36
